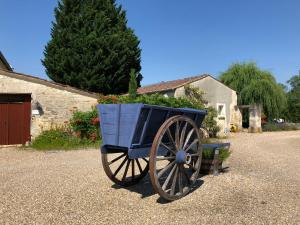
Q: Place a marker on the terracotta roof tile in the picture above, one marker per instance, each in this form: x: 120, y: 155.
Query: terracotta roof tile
x: 169, y: 85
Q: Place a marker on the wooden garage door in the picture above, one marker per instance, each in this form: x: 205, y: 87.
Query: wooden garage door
x: 14, y: 120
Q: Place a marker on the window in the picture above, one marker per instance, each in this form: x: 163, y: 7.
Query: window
x: 221, y: 109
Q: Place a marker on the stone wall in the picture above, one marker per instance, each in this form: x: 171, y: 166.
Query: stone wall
x: 255, y: 118
x: 57, y: 105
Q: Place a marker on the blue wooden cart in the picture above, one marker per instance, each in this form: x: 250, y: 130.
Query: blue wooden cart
x: 166, y: 141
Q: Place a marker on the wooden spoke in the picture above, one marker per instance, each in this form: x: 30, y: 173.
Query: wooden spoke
x: 171, y: 138
x: 177, y: 135
x: 169, y: 177
x: 119, y: 168
x: 165, y: 169
x: 173, y: 187
x: 126, y: 169
x: 113, y: 167
x: 139, y: 165
x: 116, y: 159
x: 182, y: 135
x: 165, y: 146
x: 145, y: 160
x: 174, y: 180
x: 188, y: 138
x: 166, y: 158
x: 191, y: 145
x: 180, y: 182
x: 132, y: 169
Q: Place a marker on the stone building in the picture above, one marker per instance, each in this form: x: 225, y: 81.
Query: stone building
x: 218, y: 95
x: 29, y: 105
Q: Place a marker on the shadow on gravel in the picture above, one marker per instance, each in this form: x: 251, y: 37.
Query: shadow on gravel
x: 197, y: 184
x: 144, y: 188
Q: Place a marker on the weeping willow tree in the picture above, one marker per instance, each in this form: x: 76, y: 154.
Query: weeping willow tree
x: 256, y: 86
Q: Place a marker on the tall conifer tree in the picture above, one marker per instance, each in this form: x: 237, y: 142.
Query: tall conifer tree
x: 91, y: 47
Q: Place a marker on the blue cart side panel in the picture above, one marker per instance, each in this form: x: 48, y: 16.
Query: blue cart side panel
x: 132, y: 127
x: 117, y: 122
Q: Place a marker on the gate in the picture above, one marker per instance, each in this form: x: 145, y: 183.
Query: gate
x: 15, y: 113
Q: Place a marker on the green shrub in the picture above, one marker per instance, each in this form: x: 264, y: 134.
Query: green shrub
x: 208, y: 153
x: 278, y: 127
x: 151, y: 99
x: 210, y: 124
x: 60, y: 138
x: 86, y: 124
x: 158, y: 99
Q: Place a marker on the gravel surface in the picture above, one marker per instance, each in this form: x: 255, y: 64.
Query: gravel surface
x: 261, y: 187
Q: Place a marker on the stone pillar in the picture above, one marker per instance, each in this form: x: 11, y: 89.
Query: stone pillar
x: 255, y: 118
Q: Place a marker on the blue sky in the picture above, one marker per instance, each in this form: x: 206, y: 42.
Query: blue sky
x: 178, y: 38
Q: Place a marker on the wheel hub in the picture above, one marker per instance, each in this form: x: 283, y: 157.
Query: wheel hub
x: 183, y: 157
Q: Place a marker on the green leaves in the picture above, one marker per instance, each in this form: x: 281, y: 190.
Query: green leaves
x: 132, y: 85
x: 256, y: 86
x: 293, y: 98
x: 208, y: 153
x: 91, y: 47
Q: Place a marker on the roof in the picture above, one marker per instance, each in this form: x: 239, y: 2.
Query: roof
x: 170, y: 85
x: 5, y: 63
x: 52, y: 84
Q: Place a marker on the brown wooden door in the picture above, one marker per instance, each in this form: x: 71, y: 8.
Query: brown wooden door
x: 15, y: 122
x: 3, y: 124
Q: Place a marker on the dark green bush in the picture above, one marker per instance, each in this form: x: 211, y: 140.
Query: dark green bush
x: 208, y: 153
x: 60, y: 139
x: 86, y: 124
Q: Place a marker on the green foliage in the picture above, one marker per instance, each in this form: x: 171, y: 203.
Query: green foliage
x: 195, y: 96
x: 132, y: 90
x: 60, y: 139
x: 293, y: 99
x: 158, y: 99
x: 256, y: 86
x: 153, y: 99
x: 91, y: 47
x: 193, y: 99
x: 278, y: 127
x: 294, y: 82
x: 86, y: 124
x: 208, y: 153
x: 210, y: 123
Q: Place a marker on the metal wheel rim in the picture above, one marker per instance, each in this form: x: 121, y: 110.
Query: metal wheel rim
x: 165, y: 187
x: 129, y: 165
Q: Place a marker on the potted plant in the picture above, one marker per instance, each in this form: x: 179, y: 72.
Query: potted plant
x: 209, y: 160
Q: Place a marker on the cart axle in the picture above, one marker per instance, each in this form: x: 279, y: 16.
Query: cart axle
x: 183, y: 157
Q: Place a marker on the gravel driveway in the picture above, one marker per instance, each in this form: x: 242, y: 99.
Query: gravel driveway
x: 262, y: 186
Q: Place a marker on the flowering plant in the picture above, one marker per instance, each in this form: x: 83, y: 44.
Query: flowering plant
x: 108, y: 99
x: 86, y: 124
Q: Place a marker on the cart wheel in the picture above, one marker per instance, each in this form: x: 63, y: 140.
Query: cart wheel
x: 122, y: 170
x: 175, y: 157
